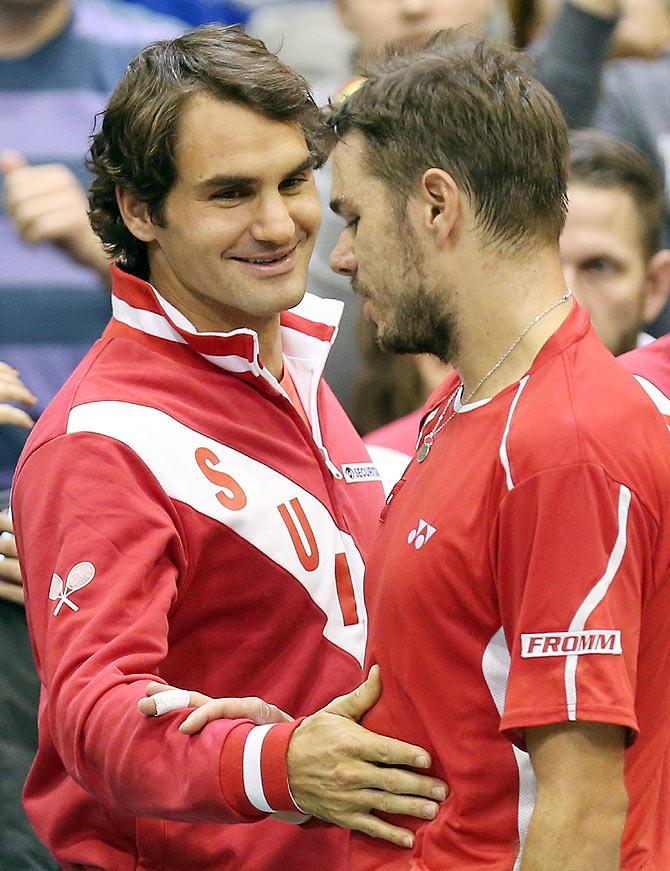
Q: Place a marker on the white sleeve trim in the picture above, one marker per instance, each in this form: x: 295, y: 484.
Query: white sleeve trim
x: 595, y: 597
x: 251, y: 765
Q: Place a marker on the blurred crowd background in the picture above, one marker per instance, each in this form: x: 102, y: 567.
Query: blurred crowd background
x: 607, y: 62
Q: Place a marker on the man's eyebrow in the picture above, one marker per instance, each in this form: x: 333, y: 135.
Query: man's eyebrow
x: 308, y: 163
x: 224, y: 181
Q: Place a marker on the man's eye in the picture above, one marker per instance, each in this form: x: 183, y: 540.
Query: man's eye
x: 599, y: 265
x: 293, y: 183
x: 229, y: 194
x: 352, y: 223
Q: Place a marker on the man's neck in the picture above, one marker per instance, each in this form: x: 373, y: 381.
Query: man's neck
x: 26, y: 27
x: 513, y: 296
x: 208, y: 317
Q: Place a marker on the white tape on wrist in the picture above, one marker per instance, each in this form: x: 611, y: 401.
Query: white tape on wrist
x: 171, y: 700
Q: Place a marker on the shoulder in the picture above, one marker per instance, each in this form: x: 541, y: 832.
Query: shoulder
x: 108, y: 370
x: 576, y: 409
x: 651, y: 362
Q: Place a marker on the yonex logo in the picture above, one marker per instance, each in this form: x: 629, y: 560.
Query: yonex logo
x: 419, y: 536
x: 571, y: 643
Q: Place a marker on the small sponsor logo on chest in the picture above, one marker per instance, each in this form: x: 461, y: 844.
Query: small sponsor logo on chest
x: 571, y: 643
x: 423, y: 533
x: 360, y: 473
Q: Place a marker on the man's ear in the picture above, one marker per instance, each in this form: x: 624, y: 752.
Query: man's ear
x: 658, y: 285
x: 441, y: 202
x: 135, y: 214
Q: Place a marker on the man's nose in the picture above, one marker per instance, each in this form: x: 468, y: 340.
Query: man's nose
x: 414, y: 9
x: 273, y: 221
x: 343, y: 260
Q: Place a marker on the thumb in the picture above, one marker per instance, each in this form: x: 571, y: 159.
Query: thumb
x: 11, y: 160
x: 364, y: 697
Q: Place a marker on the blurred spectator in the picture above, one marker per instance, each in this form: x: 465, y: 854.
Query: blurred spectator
x: 19, y: 686
x: 635, y: 100
x: 641, y: 29
x: 307, y: 34
x: 610, y: 242
x: 375, y: 25
x: 59, y: 61
x: 196, y: 12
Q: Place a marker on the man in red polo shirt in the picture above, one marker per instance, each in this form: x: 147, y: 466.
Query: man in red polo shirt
x: 651, y: 366
x: 520, y: 596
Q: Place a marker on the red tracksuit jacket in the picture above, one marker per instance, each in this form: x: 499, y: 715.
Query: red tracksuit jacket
x: 176, y: 518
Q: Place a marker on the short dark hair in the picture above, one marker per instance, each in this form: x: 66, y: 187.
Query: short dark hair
x: 470, y: 107
x: 134, y: 149
x: 602, y: 161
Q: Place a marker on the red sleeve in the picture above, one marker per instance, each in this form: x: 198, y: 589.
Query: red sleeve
x: 103, y: 556
x: 571, y: 558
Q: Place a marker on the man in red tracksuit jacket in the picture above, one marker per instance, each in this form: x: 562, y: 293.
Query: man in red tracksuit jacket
x: 195, y: 507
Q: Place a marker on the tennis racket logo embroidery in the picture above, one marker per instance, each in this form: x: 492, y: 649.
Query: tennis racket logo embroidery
x: 78, y: 576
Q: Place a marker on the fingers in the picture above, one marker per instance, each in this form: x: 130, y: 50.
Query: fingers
x: 377, y: 828
x: 11, y: 592
x: 402, y: 805
x: 15, y: 417
x: 12, y: 389
x: 155, y: 707
x: 50, y: 216
x: 8, y: 545
x: 397, y: 781
x: 385, y: 751
x: 208, y: 709
x: 11, y: 160
x: 9, y: 564
x: 46, y: 203
x: 10, y: 570
x: 356, y: 703
x: 233, y: 709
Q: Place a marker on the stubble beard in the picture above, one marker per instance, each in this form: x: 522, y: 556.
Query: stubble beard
x: 417, y: 319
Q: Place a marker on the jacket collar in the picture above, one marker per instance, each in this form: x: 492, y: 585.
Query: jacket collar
x: 308, y: 330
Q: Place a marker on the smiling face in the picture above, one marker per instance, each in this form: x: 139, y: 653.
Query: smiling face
x: 379, y: 250
x: 240, y: 221
x: 604, y: 263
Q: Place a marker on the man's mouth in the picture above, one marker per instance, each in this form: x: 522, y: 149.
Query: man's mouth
x: 271, y: 259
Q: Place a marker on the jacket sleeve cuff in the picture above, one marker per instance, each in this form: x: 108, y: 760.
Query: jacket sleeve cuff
x: 253, y: 769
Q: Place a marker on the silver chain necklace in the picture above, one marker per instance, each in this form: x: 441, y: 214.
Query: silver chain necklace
x: 428, y: 439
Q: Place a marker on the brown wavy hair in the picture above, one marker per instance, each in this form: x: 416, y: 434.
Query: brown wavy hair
x: 470, y: 107
x: 134, y: 148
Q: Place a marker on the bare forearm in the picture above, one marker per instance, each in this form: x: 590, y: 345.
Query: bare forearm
x: 574, y: 839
